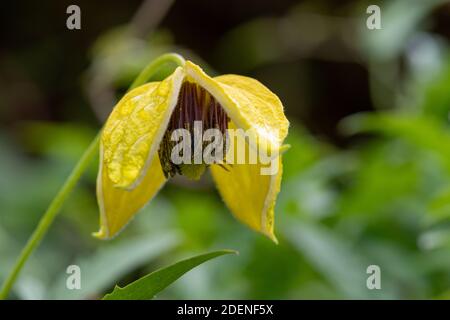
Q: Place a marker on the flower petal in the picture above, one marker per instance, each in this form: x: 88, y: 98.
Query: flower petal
x: 133, y: 132
x: 248, y: 103
x: 248, y: 193
x: 130, y: 172
x: 118, y: 206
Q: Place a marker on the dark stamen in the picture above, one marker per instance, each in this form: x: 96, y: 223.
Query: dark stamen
x: 194, y: 104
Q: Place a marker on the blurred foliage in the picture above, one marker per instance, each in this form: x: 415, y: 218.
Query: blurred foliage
x: 381, y: 195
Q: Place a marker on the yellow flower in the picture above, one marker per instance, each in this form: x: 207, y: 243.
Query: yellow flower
x: 135, y: 145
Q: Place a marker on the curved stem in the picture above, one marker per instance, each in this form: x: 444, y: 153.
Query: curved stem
x: 50, y: 214
x: 45, y: 222
x: 153, y: 67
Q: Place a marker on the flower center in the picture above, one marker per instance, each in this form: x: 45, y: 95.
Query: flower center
x: 195, y: 106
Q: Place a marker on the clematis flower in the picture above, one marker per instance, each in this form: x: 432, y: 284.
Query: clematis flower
x: 135, y: 145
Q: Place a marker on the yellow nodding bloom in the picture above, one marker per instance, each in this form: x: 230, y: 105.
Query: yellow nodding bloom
x: 133, y: 163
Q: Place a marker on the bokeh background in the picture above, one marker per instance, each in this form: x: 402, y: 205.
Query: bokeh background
x: 366, y: 181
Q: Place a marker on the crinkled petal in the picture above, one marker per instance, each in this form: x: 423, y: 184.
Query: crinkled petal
x: 133, y: 132
x: 117, y: 205
x: 130, y: 172
x: 248, y: 103
x: 249, y: 194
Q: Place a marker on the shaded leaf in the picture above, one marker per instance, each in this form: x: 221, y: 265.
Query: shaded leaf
x: 102, y: 269
x: 335, y: 258
x: 424, y: 132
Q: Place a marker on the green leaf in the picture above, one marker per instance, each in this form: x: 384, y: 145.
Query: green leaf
x: 101, y: 269
x: 335, y: 257
x: 148, y: 286
x: 423, y: 132
x: 436, y: 100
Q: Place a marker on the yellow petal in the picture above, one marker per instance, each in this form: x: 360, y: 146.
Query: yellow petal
x: 132, y: 134
x: 249, y: 195
x: 248, y: 103
x: 118, y: 206
x: 130, y: 172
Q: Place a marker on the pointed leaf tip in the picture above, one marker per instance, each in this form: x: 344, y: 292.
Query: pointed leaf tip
x: 148, y: 286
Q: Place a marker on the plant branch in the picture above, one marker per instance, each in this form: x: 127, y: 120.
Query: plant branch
x: 47, y: 219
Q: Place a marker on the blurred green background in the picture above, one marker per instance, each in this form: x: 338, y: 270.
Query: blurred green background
x: 366, y: 181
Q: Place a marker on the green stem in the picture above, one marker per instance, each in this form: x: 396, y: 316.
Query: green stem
x: 50, y: 215
x: 153, y: 67
x: 147, y: 73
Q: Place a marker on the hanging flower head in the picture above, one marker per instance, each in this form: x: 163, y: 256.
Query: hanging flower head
x: 141, y: 137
